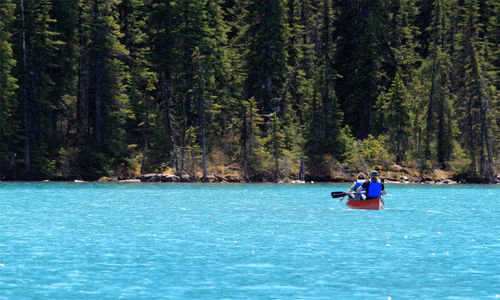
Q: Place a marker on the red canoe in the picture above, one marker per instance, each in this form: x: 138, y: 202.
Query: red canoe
x: 373, y: 204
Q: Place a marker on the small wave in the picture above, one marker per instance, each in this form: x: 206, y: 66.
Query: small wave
x: 273, y: 287
x: 255, y: 266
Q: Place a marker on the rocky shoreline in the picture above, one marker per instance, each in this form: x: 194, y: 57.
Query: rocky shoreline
x: 395, y: 175
x: 392, y: 175
x: 158, y: 178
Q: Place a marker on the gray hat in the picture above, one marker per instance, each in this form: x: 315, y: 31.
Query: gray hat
x: 374, y: 173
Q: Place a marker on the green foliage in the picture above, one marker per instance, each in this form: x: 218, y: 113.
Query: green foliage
x: 264, y: 41
x: 370, y: 153
x: 92, y: 164
x: 394, y: 110
x: 252, y: 138
x: 8, y: 124
x: 359, y: 58
x: 374, y: 152
x: 193, y: 150
x: 115, y: 88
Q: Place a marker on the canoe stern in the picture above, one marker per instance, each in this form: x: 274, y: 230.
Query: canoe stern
x: 372, y: 204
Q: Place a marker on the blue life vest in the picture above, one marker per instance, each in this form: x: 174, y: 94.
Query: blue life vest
x: 375, y: 189
x: 358, y: 184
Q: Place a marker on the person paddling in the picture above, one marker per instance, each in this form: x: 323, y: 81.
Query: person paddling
x: 374, y: 188
x: 360, y: 179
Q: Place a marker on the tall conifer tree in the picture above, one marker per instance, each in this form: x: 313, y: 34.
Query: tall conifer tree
x: 8, y: 123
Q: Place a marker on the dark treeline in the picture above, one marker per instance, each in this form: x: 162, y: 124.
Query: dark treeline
x: 272, y: 89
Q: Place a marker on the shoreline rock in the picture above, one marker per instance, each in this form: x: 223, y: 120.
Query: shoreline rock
x: 107, y: 179
x: 158, y: 178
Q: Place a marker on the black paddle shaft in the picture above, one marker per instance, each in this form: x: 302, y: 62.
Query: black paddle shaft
x: 339, y: 194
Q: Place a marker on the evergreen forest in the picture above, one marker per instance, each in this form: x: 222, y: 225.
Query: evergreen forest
x: 257, y: 90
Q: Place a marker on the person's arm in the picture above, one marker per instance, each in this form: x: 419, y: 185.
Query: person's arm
x: 352, y: 188
x: 363, y: 186
x: 383, y: 190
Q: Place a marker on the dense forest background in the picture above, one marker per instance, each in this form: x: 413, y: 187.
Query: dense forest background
x: 268, y: 89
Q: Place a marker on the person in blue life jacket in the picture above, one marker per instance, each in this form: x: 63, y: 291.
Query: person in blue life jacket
x: 360, y: 179
x: 374, y: 187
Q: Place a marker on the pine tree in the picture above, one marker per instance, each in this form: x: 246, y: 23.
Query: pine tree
x: 191, y: 71
x: 254, y: 154
x: 8, y: 124
x: 423, y: 21
x: 36, y: 53
x: 265, y: 64
x: 438, y: 106
x: 63, y: 66
x: 401, y: 53
x: 477, y: 89
x: 141, y: 125
x: 102, y: 98
x: 212, y: 77
x: 265, y: 57
x: 164, y: 40
x: 360, y: 32
x: 395, y: 112
x: 348, y: 28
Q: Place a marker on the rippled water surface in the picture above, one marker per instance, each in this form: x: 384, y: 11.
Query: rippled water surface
x: 178, y: 241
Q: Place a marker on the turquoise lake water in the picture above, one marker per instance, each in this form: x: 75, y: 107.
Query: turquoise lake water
x: 237, y: 241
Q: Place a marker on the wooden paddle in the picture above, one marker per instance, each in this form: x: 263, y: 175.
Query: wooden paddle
x: 340, y: 194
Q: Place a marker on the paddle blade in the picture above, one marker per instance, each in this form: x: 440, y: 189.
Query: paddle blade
x: 338, y: 194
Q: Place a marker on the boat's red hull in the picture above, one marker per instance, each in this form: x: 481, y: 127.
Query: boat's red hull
x: 373, y: 204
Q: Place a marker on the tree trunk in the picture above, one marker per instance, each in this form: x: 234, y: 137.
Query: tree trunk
x: 326, y: 36
x: 430, y: 117
x: 488, y: 171
x: 481, y: 153
x: 399, y: 136
x: 165, y: 99
x: 471, y: 135
x: 81, y: 98
x: 146, y: 132
x: 442, y: 153
x: 183, y: 137
x: 268, y: 76
x: 245, y: 154
x: 26, y: 103
x: 490, y: 168
x: 201, y: 107
x: 485, y: 171
x: 204, y: 149
x: 416, y: 131
x: 302, y: 169
x: 470, y: 105
x: 98, y: 70
x: 275, y: 137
